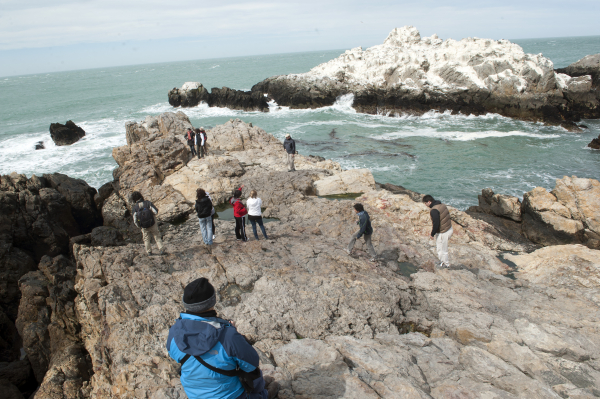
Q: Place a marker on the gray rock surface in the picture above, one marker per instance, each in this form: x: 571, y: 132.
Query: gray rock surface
x: 106, y: 236
x: 500, y: 205
x: 66, y: 134
x: 588, y: 65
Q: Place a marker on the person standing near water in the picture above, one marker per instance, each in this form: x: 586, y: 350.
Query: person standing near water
x: 254, y: 214
x: 203, y: 208
x: 289, y: 146
x: 364, y: 225
x: 239, y: 213
x: 190, y: 137
x: 442, y: 228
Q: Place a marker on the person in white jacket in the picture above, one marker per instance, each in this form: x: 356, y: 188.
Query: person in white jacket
x: 254, y: 205
x: 200, y: 142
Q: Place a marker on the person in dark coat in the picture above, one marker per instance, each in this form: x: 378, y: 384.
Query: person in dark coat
x: 204, y: 208
x: 441, y: 228
x: 289, y: 146
x: 190, y: 136
x: 364, y: 228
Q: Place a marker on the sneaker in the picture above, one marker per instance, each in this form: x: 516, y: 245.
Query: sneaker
x: 347, y: 251
x: 442, y: 265
x: 214, y: 236
x: 373, y: 259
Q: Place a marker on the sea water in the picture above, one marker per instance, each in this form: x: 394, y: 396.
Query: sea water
x: 449, y: 156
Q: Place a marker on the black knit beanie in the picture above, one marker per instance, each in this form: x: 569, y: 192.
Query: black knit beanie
x: 199, y: 295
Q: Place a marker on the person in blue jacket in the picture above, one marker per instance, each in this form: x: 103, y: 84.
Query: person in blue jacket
x: 199, y: 333
x: 364, y: 224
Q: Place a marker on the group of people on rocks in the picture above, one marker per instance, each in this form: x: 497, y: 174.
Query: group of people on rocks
x: 216, y: 360
x: 196, y: 139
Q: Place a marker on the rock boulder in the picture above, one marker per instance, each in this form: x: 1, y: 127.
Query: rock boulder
x: 588, y: 65
x: 500, y: 205
x: 595, y: 143
x: 66, y: 134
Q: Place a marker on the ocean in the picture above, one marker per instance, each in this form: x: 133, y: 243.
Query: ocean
x: 451, y: 157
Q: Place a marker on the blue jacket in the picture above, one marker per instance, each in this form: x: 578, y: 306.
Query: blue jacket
x: 364, y: 222
x: 219, y: 344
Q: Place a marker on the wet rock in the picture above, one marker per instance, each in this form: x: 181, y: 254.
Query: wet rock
x: 106, y: 236
x: 595, y: 143
x: 39, y: 145
x: 192, y: 93
x: 66, y: 134
x: 500, y: 205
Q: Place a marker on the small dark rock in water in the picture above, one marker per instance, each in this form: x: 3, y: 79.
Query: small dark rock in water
x: 316, y: 158
x: 332, y: 133
x: 583, y: 127
x: 570, y: 126
x: 39, y: 145
x: 66, y: 134
x: 595, y: 143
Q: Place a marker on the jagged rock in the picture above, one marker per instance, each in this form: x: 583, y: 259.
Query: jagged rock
x: 417, y: 197
x: 66, y: 134
x: 19, y: 374
x: 9, y: 339
x: 595, y: 143
x: 411, y: 74
x: 588, y: 65
x: 103, y: 193
x: 106, y: 236
x: 39, y: 145
x: 192, y: 93
x: 500, y: 205
x: 9, y: 391
x: 48, y: 324
x: 349, y: 181
x: 569, y: 214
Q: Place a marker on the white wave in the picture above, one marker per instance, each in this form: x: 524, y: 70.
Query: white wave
x: 214, y: 66
x: 202, y: 110
x: 344, y: 104
x: 158, y: 108
x: 460, y: 136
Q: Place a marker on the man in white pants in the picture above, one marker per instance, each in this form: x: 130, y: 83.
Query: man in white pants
x: 442, y: 228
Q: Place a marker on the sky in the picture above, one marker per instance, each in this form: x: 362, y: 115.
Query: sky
x: 55, y: 35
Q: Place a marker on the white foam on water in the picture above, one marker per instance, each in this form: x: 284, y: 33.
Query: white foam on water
x: 158, y: 109
x: 460, y: 136
x: 214, y: 66
x: 344, y: 104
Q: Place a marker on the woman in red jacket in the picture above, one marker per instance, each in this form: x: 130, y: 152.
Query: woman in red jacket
x: 239, y: 212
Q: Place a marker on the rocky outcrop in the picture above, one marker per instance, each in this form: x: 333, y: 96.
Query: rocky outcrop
x: 66, y: 134
x: 568, y: 214
x: 587, y: 66
x: 48, y: 325
x: 349, y: 181
x: 411, y: 74
x: 595, y: 143
x: 500, y: 205
x: 192, y: 93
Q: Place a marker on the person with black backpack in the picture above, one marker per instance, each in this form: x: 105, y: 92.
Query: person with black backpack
x: 216, y: 360
x: 143, y: 217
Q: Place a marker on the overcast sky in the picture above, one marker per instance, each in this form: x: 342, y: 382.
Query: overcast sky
x: 52, y: 35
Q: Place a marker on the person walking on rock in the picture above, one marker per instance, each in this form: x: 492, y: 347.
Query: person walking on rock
x: 143, y: 217
x: 239, y: 212
x: 254, y: 214
x: 364, y: 225
x: 203, y: 208
x: 217, y: 362
x: 442, y: 228
x: 289, y: 145
x: 190, y: 136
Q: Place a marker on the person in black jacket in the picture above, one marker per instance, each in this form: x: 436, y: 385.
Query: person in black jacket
x: 364, y: 224
x: 289, y: 146
x: 190, y: 136
x: 204, y: 208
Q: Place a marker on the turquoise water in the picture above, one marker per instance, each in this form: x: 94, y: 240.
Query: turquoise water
x: 449, y: 156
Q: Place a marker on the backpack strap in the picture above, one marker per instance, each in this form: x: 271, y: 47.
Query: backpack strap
x: 228, y: 373
x: 184, y: 359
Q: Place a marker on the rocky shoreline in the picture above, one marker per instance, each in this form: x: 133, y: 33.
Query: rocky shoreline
x: 516, y: 316
x: 408, y: 74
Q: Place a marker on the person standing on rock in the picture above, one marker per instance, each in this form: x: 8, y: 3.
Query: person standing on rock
x: 239, y: 213
x: 203, y: 208
x: 254, y: 214
x: 143, y: 217
x: 212, y: 217
x: 216, y: 361
x: 365, y: 228
x: 289, y: 145
x: 190, y: 137
x: 442, y: 228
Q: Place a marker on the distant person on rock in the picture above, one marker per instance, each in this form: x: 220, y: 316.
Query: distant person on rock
x: 216, y: 361
x: 364, y: 226
x: 203, y: 208
x: 239, y: 212
x: 190, y: 136
x: 254, y: 214
x: 143, y: 217
x: 289, y: 145
x: 212, y: 216
x: 442, y: 228
x: 200, y: 142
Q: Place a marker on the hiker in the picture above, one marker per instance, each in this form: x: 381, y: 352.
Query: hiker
x: 190, y: 136
x: 200, y: 142
x: 203, y: 208
x: 216, y: 360
x: 254, y: 214
x: 204, y: 139
x: 239, y: 212
x: 364, y: 224
x: 289, y: 146
x: 212, y: 216
x: 442, y: 228
x: 143, y: 217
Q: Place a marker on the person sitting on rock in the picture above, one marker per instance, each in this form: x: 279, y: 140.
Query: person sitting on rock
x: 190, y: 136
x: 239, y: 213
x: 216, y: 361
x: 364, y: 224
x: 442, y: 228
x: 289, y: 146
x: 143, y: 217
x: 254, y: 214
x: 203, y: 209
